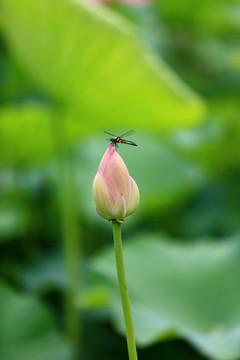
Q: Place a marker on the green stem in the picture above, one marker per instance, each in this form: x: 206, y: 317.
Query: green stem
x: 71, y: 231
x: 72, y: 253
x: 117, y: 236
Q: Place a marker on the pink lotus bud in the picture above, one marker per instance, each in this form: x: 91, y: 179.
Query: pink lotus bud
x: 115, y: 192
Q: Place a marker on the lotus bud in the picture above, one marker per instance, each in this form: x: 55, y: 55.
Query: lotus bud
x: 115, y: 193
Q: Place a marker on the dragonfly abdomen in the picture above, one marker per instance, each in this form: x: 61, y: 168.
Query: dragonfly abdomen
x: 130, y: 143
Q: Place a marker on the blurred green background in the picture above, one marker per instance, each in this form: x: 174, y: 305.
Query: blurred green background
x: 170, y: 70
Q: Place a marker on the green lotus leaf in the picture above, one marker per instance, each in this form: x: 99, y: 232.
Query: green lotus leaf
x: 186, y: 290
x: 90, y: 61
x: 27, y: 329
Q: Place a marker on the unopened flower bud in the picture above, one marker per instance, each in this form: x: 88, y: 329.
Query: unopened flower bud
x: 115, y: 192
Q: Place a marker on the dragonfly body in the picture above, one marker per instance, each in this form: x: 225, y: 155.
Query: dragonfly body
x: 115, y: 140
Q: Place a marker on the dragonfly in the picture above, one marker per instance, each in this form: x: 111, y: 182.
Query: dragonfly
x: 115, y: 140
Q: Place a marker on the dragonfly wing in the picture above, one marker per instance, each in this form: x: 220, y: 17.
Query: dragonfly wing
x: 110, y: 133
x: 128, y: 133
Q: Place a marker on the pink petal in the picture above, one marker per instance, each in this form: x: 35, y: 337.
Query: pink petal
x: 117, y: 176
x: 134, y: 197
x: 102, y: 195
x: 108, y: 153
x: 120, y: 208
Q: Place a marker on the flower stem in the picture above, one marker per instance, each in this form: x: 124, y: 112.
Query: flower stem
x: 117, y: 236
